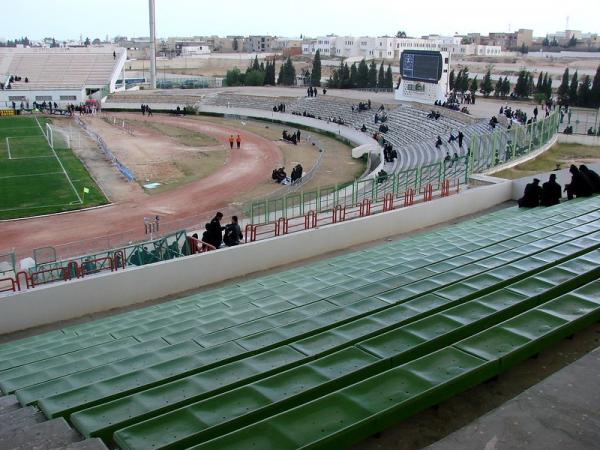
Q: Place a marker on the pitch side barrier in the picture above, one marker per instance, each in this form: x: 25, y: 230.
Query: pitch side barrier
x: 127, y: 173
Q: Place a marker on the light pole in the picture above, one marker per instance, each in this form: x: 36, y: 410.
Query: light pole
x: 151, y: 8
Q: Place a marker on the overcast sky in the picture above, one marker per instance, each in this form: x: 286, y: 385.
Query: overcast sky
x: 64, y: 19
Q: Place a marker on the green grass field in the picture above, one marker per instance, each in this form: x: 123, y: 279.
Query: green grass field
x: 34, y: 179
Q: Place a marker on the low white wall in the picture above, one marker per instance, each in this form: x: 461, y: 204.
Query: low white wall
x: 578, y: 139
x: 52, y: 303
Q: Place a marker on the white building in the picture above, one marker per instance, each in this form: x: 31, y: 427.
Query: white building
x: 194, y: 50
x: 391, y: 47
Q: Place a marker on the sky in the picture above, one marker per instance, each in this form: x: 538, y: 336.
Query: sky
x: 68, y: 19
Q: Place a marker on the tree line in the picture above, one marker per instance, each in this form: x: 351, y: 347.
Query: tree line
x: 573, y: 91
x: 362, y: 76
x: 257, y: 74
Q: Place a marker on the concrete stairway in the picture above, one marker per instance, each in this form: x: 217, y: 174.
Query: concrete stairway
x: 27, y: 428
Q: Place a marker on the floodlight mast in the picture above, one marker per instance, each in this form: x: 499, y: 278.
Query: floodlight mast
x: 151, y: 7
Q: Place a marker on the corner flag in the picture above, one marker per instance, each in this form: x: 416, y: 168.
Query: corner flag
x: 86, y: 190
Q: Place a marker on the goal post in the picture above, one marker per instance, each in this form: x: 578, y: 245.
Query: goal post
x: 50, y: 136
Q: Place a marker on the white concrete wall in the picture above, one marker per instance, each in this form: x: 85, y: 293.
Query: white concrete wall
x: 578, y: 139
x: 52, y: 303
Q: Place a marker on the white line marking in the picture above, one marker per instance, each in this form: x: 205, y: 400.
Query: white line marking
x: 34, y: 207
x: 62, y: 167
x: 8, y: 148
x: 31, y: 175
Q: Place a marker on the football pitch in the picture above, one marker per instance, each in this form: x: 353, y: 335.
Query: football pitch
x: 37, y: 179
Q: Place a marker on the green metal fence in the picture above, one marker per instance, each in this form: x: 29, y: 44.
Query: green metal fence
x: 171, y: 246
x: 486, y: 150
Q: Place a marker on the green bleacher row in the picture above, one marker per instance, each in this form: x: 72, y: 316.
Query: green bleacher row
x: 235, y: 356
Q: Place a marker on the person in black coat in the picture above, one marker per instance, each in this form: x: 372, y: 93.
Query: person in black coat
x: 531, y: 196
x: 215, y: 230
x: 551, y: 192
x: 579, y: 186
x: 592, y: 177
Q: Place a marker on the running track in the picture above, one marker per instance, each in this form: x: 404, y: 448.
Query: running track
x: 196, y: 201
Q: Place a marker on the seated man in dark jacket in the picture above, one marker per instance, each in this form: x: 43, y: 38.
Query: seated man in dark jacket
x: 531, y: 196
x: 551, y: 192
x: 579, y: 186
x: 592, y: 177
x: 233, y: 233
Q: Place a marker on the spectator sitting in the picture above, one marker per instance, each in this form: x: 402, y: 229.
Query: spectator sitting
x: 447, y: 158
x: 382, y: 176
x: 579, y: 186
x: 590, y: 131
x: 592, y: 177
x: 438, y: 142
x: 215, y: 236
x: 233, y: 233
x: 551, y: 192
x: 383, y: 128
x: 431, y: 115
x: 531, y: 196
x: 452, y: 138
x: 568, y: 130
x: 363, y: 128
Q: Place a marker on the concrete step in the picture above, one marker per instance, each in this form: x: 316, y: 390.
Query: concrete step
x: 19, y: 418
x: 88, y: 444
x: 55, y: 433
x: 8, y: 403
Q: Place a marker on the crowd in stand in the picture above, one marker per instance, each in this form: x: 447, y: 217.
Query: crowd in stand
x: 279, y: 108
x: 362, y: 106
x: 12, y: 79
x: 389, y: 154
x: 584, y: 183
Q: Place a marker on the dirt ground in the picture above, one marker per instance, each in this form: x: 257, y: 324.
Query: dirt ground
x: 561, y: 154
x: 88, y: 230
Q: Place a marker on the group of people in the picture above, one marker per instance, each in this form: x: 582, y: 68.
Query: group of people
x: 389, y: 154
x: 449, y: 161
x: 280, y: 175
x: 362, y: 106
x: 434, y: 115
x: 279, y: 108
x: 294, y: 138
x: 584, y: 183
x: 214, y: 236
x: 312, y: 91
x: 304, y: 114
x: 383, y: 128
x: 381, y: 117
x: 454, y: 106
x: 237, y: 140
x: 11, y: 80
x: 516, y: 116
x: 146, y: 110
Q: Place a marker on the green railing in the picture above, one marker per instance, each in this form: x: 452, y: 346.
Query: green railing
x: 486, y: 150
x: 171, y: 246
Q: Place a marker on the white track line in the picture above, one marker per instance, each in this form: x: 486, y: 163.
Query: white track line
x: 8, y: 148
x: 61, y: 165
x: 31, y: 175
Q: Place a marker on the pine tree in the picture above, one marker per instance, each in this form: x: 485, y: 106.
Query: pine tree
x: 389, y: 78
x: 315, y: 78
x: 498, y: 88
x: 530, y: 85
x: 255, y: 65
x: 563, y: 89
x: 451, y: 80
x: 548, y: 86
x: 363, y: 74
x: 595, y: 91
x: 345, y: 77
x: 573, y: 89
x: 234, y: 45
x: 353, y: 75
x: 372, y: 80
x: 464, y: 82
x: 584, y: 92
x: 486, y: 84
x: 287, y: 73
x: 539, y: 87
x: 474, y: 85
x: 524, y: 82
x: 381, y: 77
x: 505, y: 87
